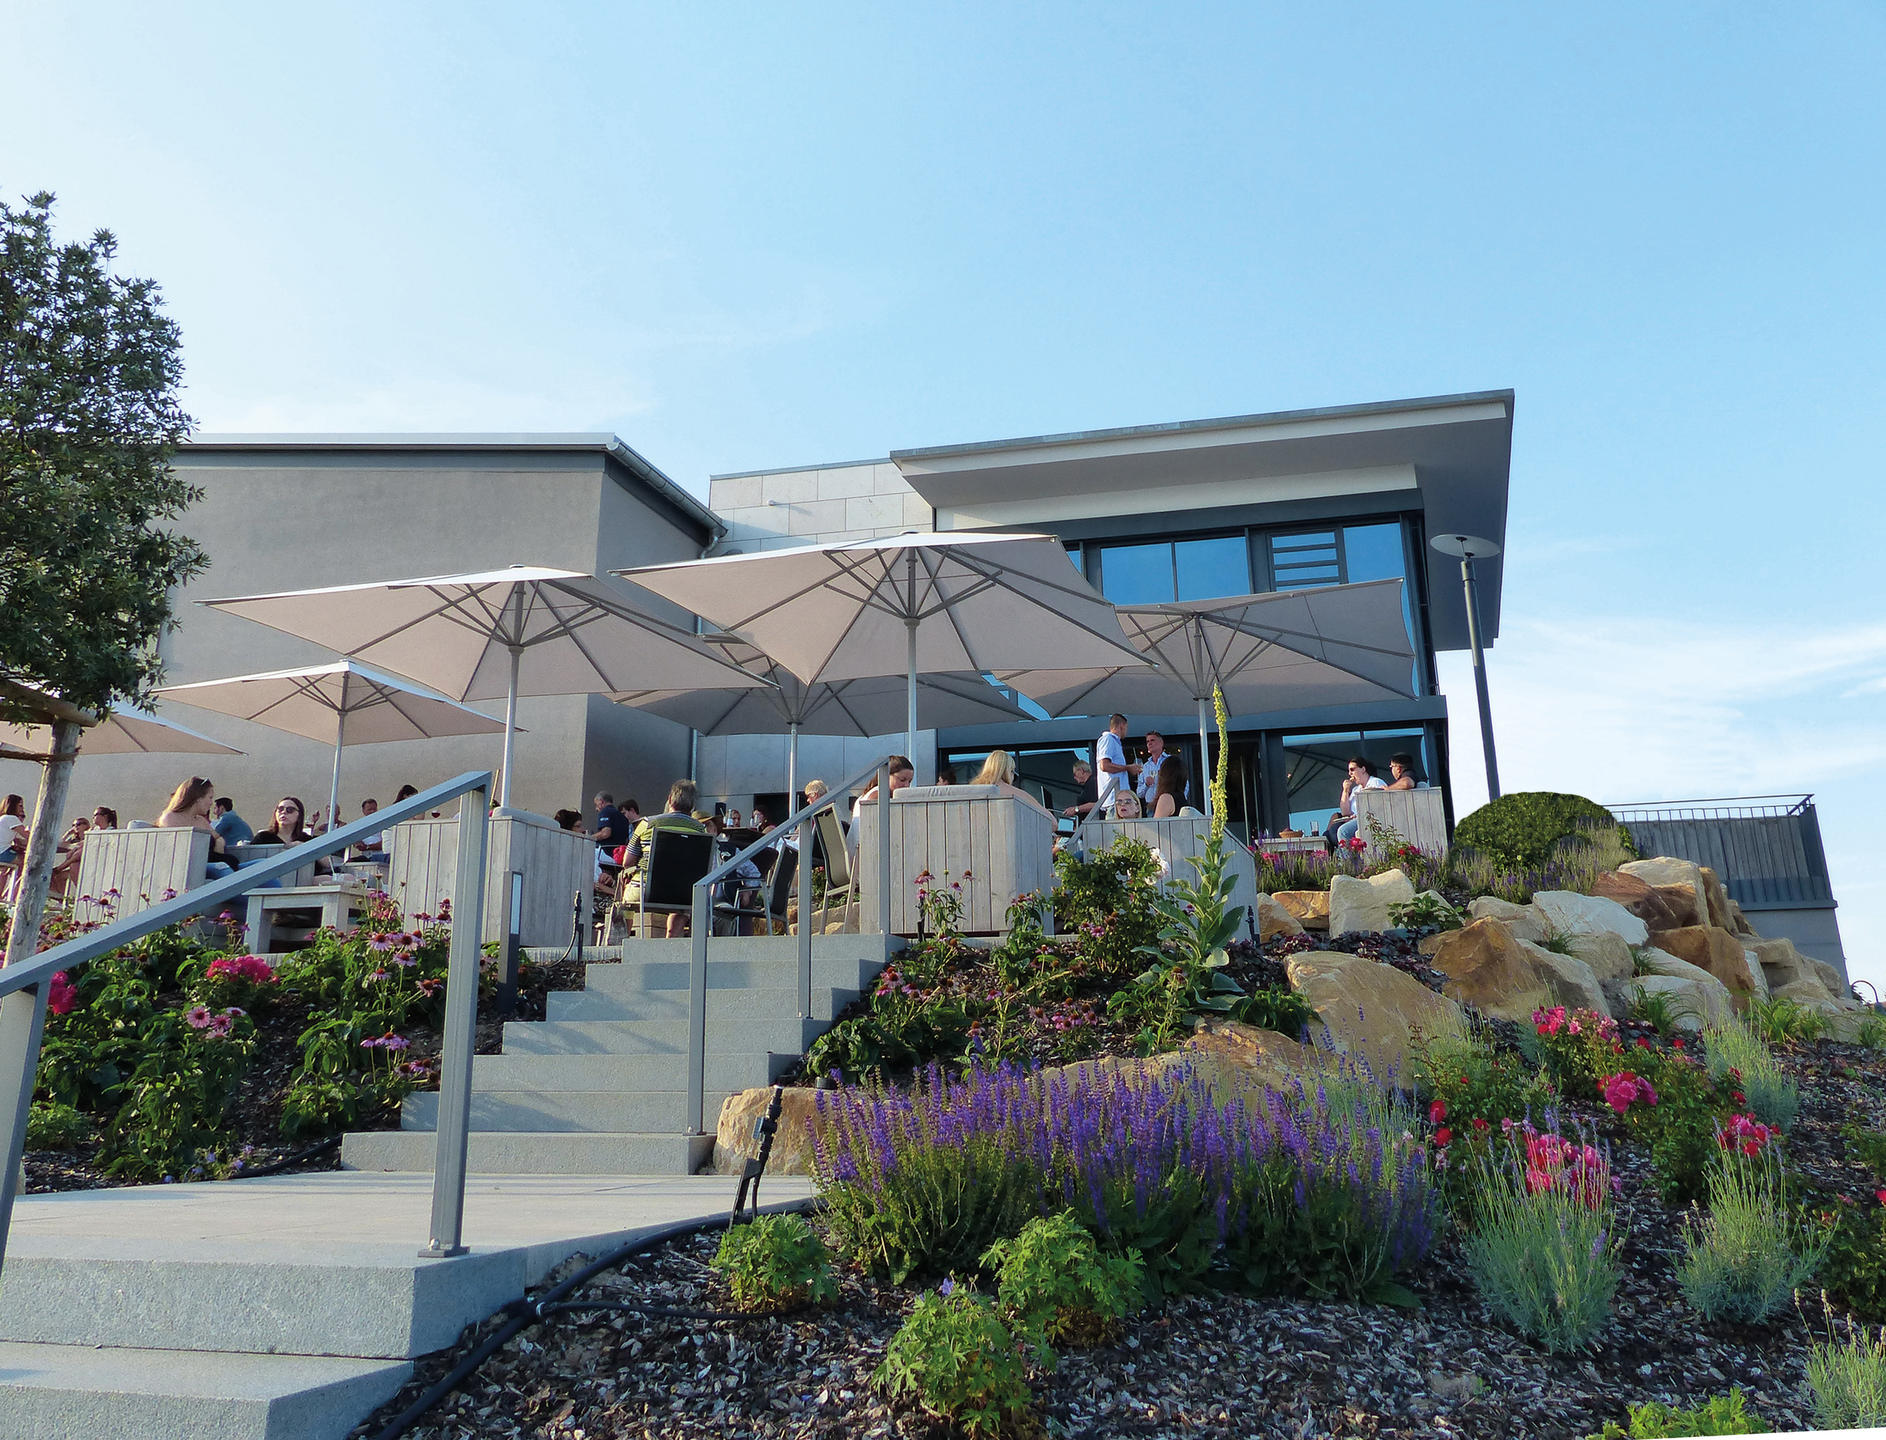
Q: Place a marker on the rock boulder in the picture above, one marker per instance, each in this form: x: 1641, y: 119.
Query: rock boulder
x: 1647, y: 902
x: 1310, y: 907
x: 1361, y: 903
x: 1782, y: 964
x: 735, y: 1142
x: 1697, y: 1002
x: 1568, y: 913
x: 1723, y: 955
x: 1372, y: 1011
x: 1525, y: 922
x: 1274, y: 919
x: 1667, y: 870
x: 1719, y: 902
x: 1493, y: 971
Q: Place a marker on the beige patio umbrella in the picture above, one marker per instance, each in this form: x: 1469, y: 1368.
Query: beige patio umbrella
x: 340, y: 701
x: 905, y: 604
x: 126, y: 731
x: 1282, y: 650
x: 873, y: 705
x: 525, y: 630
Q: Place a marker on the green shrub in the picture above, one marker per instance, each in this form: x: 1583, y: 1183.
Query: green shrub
x: 1748, y: 1254
x: 1780, y: 1020
x: 1427, y: 911
x: 1053, y: 1283
x: 1848, y: 1378
x: 775, y: 1262
x: 1737, y: 1054
x: 1718, y: 1415
x: 1523, y: 829
x: 1681, y: 1128
x: 1190, y: 955
x: 1869, y: 1148
x: 1272, y: 1007
x: 1853, y: 1271
x: 1545, y: 1256
x: 1475, y: 1081
x: 178, y: 1092
x: 1579, y: 1048
x: 1106, y: 898
x: 1872, y: 1032
x: 52, y: 1125
x: 956, y: 1359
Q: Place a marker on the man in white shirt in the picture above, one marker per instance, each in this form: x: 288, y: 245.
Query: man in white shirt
x: 1148, y: 786
x: 1344, y: 824
x: 1111, y: 769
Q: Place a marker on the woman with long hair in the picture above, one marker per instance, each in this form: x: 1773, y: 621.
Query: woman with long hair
x: 189, y: 809
x: 1169, y: 800
x: 998, y: 769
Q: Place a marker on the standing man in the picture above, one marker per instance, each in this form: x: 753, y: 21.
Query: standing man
x: 613, y: 828
x: 1110, y: 765
x: 1148, y: 786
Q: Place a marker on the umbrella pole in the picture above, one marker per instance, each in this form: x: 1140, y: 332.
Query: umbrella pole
x: 910, y: 716
x: 1204, y: 761
x: 340, y: 738
x: 792, y: 767
x: 510, y: 726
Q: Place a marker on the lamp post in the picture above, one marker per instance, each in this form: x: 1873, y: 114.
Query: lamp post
x: 1467, y: 549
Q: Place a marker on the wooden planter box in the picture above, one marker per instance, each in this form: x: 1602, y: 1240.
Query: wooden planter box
x: 1003, y: 839
x: 140, y: 865
x: 1178, y: 840
x: 1419, y: 816
x: 556, y: 864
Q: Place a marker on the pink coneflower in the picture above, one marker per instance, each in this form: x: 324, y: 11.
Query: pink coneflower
x: 197, y: 1017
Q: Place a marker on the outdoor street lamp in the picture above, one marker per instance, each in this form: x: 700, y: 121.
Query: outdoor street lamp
x: 1467, y: 549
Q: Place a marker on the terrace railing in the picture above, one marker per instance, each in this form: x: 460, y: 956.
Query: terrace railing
x: 801, y: 820
x: 24, y: 987
x: 1766, y: 848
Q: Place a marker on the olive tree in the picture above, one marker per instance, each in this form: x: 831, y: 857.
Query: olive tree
x: 89, y: 422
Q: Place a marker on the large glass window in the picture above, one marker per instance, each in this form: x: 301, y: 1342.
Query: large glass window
x: 1372, y: 552
x: 1165, y: 570
x: 1315, y: 766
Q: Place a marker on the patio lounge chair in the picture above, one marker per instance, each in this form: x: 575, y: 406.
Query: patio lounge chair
x: 775, y: 893
x: 675, y: 860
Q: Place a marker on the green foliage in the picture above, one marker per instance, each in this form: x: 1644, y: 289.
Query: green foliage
x: 1660, y: 1010
x: 1523, y: 829
x: 956, y: 1359
x: 1780, y: 1020
x: 1680, y: 1129
x: 1848, y: 1378
x: 1872, y: 1031
x: 1106, y: 900
x: 51, y: 1125
x: 1579, y: 1049
x: 775, y: 1262
x: 89, y: 421
x: 1272, y: 1007
x: 1737, y: 1053
x: 1745, y: 1258
x: 1718, y: 1415
x: 1869, y: 1148
x: 1054, y: 1284
x: 1190, y: 955
x: 1546, y: 1260
x: 1853, y: 1270
x: 177, y: 1094
x: 1427, y: 911
x: 1476, y: 1081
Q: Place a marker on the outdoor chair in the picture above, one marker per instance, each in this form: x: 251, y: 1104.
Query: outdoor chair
x: 672, y: 863
x: 841, y: 880
x: 775, y: 893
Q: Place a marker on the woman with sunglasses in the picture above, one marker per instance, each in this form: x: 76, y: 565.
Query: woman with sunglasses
x: 288, y: 826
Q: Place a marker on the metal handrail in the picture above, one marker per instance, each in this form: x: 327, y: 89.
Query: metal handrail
x: 696, y: 1113
x: 1796, y: 803
x: 24, y: 987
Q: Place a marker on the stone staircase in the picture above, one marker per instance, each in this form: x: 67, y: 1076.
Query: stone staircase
x: 599, y: 1087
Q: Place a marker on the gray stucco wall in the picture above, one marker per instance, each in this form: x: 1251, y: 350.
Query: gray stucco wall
x: 282, y: 518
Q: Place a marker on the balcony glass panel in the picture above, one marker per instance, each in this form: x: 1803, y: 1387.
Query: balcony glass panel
x: 1209, y: 569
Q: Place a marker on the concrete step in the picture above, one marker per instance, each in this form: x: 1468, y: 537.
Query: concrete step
x: 518, y: 1152
x: 761, y: 964
x: 565, y: 1111
x: 725, y: 1073
x: 723, y: 1006
x: 84, y: 1392
x: 785, y: 1035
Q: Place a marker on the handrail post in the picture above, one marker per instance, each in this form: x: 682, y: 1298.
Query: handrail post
x: 22, y: 1019
x: 805, y: 918
x: 884, y: 848
x: 696, y: 1113
x: 513, y: 931
x: 461, y: 1020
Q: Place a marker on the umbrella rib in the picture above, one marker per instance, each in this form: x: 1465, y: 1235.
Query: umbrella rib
x: 1074, y: 620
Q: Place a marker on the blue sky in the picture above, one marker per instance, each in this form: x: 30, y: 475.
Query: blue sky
x: 769, y: 235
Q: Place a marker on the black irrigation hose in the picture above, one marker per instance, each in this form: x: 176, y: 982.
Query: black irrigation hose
x: 526, y: 1313
x: 288, y: 1162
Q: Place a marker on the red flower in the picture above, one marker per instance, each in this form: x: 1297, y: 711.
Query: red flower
x: 1437, y: 1112
x: 1443, y: 1137
x: 61, y: 994
x: 1880, y: 1195
x: 1678, y: 1042
x: 1482, y: 1127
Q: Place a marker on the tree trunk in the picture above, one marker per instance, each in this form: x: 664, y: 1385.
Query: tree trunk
x: 29, y: 898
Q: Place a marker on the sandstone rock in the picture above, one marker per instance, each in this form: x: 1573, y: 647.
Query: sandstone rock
x: 1698, y: 1002
x: 1235, y: 1060
x: 1719, y: 902
x: 1606, y: 953
x: 1667, y: 870
x: 735, y: 1142
x: 1310, y: 907
x: 1372, y: 1011
x: 1494, y: 972
x: 1525, y: 922
x: 1361, y: 903
x: 1810, y: 994
x: 1738, y: 922
x: 1782, y: 964
x: 1568, y: 913
x: 1274, y: 919
x: 1721, y: 954
x: 1681, y: 898
x: 1644, y: 900
x: 1835, y: 982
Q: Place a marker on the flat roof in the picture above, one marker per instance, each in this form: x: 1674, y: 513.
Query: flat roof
x: 599, y: 441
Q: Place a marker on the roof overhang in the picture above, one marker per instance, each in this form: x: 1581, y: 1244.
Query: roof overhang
x: 1454, y: 452
x: 611, y: 447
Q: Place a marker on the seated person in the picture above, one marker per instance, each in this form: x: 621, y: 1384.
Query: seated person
x: 679, y: 816
x: 13, y: 837
x: 1343, y: 824
x: 1126, y: 806
x: 1169, y: 800
x: 1089, y: 795
x: 745, y: 877
x: 65, y: 870
x: 189, y: 809
x: 1401, y: 771
x: 288, y: 828
x: 902, y: 773
x: 613, y: 828
x: 733, y: 819
x: 231, y: 826
x: 999, y: 769
x: 571, y: 820
x: 373, y: 847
